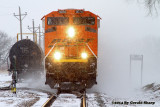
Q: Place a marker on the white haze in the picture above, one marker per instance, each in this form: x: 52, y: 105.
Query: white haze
x: 36, y: 82
x: 125, y: 29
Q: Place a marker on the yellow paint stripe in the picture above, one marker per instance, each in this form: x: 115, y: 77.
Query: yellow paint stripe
x: 71, y: 60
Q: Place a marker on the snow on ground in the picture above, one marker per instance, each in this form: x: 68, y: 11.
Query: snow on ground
x: 141, y: 98
x: 5, y: 79
x: 25, y: 97
x: 67, y: 100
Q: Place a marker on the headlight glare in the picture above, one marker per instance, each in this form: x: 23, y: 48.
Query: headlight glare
x: 71, y: 32
x: 84, y: 55
x: 57, y: 55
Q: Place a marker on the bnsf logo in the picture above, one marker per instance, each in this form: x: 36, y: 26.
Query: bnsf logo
x: 70, y: 41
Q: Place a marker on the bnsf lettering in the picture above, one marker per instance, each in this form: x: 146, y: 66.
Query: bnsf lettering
x: 78, y: 40
x: 56, y: 40
x: 69, y: 41
x: 81, y: 40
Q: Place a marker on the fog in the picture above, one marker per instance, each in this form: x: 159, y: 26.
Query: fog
x: 125, y: 29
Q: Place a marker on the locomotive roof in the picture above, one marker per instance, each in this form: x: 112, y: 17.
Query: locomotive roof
x: 67, y: 10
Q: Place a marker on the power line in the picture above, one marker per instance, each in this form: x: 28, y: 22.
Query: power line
x: 20, y: 19
x: 5, y: 14
x: 39, y: 35
x: 2, y: 6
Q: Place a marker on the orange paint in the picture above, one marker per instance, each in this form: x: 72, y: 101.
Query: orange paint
x: 71, y: 47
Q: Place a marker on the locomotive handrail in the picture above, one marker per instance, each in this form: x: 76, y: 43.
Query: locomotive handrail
x: 91, y: 50
x: 49, y: 51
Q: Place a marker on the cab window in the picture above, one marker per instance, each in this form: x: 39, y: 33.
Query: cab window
x: 84, y: 20
x: 57, y: 20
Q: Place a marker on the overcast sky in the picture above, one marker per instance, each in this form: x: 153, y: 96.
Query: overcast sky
x: 125, y: 29
x: 113, y: 12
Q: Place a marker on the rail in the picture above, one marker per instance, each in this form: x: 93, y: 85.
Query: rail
x: 83, y: 102
x: 49, y: 102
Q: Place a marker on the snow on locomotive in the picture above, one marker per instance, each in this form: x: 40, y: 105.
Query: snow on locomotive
x: 71, y: 48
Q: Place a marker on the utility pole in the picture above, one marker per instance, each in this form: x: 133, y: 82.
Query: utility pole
x: 20, y: 19
x: 0, y: 61
x: 34, y: 29
x: 39, y: 35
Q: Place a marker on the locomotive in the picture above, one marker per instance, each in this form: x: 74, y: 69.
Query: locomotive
x: 26, y: 59
x: 71, y: 49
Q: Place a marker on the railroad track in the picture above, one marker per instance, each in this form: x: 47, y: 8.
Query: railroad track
x: 52, y: 98
x: 49, y: 102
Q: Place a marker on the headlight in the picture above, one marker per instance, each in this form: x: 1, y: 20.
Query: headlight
x: 57, y: 55
x: 84, y: 55
x: 71, y: 32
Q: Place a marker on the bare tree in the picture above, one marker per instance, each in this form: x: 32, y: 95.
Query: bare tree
x: 5, y: 44
x: 152, y: 5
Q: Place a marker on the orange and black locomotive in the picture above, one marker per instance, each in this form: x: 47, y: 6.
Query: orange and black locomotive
x: 71, y: 49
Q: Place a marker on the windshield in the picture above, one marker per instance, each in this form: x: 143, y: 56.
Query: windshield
x: 57, y: 20
x: 84, y: 20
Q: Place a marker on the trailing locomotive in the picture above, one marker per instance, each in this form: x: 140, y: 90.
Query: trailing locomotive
x: 71, y: 49
x: 26, y: 58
